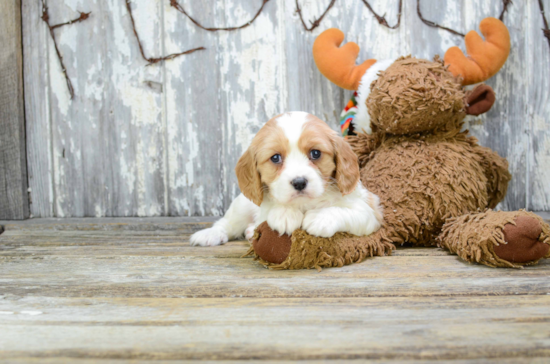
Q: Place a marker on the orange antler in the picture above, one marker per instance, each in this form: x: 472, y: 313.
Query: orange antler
x: 338, y: 64
x: 485, y: 58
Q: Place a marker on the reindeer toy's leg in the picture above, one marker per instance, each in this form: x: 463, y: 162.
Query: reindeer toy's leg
x: 497, y: 238
x: 301, y: 250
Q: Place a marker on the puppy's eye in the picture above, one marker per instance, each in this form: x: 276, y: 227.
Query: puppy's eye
x: 276, y: 159
x: 315, y: 154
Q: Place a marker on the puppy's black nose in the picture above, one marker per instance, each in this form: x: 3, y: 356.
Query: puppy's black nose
x: 299, y: 183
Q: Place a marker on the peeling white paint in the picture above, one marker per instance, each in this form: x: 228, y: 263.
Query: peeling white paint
x: 243, y: 134
x: 94, y: 90
x: 120, y: 35
x: 133, y: 149
x: 199, y: 199
x: 32, y: 313
x: 128, y: 174
x: 59, y: 89
x: 98, y: 211
x: 142, y: 103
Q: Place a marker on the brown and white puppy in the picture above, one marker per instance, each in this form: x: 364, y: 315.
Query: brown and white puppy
x: 296, y: 173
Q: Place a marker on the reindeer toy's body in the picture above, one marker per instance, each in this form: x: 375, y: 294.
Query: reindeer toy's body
x: 434, y: 181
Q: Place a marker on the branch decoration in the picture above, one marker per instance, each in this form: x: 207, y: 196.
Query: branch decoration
x: 178, y: 7
x: 381, y: 19
x: 315, y: 23
x: 46, y: 18
x: 153, y: 60
x: 545, y: 30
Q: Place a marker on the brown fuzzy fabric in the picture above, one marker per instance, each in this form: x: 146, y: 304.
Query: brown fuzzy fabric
x: 496, y: 173
x: 309, y: 251
x: 364, y: 145
x: 475, y: 237
x: 415, y: 95
x: 424, y: 179
x: 423, y: 168
x: 432, y: 179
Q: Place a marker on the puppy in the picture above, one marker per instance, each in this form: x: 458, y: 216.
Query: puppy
x: 297, y: 173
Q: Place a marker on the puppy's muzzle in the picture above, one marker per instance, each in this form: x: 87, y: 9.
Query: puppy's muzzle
x: 299, y: 183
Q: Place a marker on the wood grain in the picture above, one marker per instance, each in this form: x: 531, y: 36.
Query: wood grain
x: 118, y: 291
x: 36, y: 49
x: 538, y: 109
x: 300, y: 329
x: 14, y: 202
x: 163, y: 140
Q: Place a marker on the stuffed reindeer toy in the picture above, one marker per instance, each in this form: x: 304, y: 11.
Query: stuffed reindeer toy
x: 437, y: 186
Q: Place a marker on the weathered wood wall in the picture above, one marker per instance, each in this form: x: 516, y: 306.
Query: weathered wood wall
x: 164, y: 139
x: 14, y: 202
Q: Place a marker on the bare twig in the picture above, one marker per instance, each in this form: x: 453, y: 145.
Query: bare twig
x: 433, y: 24
x: 382, y: 19
x: 505, y: 4
x: 82, y: 17
x: 315, y: 23
x: 178, y: 7
x: 46, y: 18
x: 153, y: 60
x: 545, y: 30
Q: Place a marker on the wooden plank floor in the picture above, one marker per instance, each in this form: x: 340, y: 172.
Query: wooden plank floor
x: 113, y: 290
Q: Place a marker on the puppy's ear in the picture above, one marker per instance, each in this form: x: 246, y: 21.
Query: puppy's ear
x: 249, y: 177
x: 347, y: 166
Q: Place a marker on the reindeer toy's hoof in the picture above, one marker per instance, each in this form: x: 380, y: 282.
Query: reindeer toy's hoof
x: 510, y: 239
x: 269, y: 246
x: 301, y: 250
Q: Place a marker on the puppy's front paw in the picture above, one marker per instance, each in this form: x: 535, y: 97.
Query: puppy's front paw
x: 209, y: 237
x: 249, y: 232
x: 320, y: 223
x: 284, y: 220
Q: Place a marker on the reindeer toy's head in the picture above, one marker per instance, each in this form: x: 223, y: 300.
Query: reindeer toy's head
x: 411, y: 95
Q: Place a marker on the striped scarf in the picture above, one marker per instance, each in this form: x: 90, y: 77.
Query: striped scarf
x: 347, y: 115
